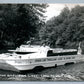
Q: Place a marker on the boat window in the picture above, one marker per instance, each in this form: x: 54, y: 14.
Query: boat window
x: 20, y: 57
x: 51, y: 53
x: 24, y: 52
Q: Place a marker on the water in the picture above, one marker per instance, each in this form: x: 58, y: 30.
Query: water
x: 72, y: 72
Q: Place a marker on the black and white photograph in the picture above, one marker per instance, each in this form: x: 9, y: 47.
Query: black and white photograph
x: 42, y: 42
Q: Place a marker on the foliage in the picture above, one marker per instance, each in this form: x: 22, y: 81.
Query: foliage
x: 20, y: 22
x: 64, y: 29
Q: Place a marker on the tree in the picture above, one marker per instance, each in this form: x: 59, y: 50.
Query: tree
x: 20, y: 22
x: 65, y: 29
x: 55, y: 27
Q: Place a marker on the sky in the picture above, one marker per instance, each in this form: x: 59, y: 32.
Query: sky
x: 55, y: 9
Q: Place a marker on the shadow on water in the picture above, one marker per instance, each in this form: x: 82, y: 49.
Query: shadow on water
x: 67, y: 64
x: 7, y: 72
x: 36, y: 70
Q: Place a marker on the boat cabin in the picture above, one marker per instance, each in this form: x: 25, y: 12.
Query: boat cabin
x: 35, y: 51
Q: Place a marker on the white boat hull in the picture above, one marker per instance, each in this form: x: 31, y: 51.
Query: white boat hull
x: 28, y: 64
x: 5, y: 66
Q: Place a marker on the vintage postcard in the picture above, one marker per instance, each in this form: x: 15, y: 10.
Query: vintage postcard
x: 42, y: 42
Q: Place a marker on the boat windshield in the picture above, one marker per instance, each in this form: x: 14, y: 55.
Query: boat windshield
x: 24, y: 52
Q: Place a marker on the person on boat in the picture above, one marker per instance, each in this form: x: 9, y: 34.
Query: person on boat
x: 43, y: 45
x: 79, y: 49
x: 29, y: 42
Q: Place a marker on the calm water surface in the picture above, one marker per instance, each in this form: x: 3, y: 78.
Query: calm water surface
x: 72, y: 72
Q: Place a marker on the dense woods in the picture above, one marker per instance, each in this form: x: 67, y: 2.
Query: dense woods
x: 21, y: 22
x: 65, y: 30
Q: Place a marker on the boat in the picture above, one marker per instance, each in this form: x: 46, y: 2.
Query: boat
x: 27, y: 57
